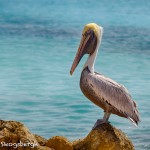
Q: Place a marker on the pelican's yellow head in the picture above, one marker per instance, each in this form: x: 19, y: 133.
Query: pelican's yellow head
x: 94, y: 27
x: 89, y: 42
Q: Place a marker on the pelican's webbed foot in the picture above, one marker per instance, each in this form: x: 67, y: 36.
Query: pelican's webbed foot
x: 99, y: 122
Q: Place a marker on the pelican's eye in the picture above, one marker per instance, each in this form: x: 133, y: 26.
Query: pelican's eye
x: 88, y: 32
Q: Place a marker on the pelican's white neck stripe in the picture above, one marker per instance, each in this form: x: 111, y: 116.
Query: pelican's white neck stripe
x: 91, y: 59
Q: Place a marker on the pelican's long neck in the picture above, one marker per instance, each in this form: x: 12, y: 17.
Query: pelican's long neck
x: 91, y: 59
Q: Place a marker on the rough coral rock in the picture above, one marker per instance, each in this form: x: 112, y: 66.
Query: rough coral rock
x: 14, y: 135
x: 104, y: 137
x: 42, y: 141
x: 59, y: 143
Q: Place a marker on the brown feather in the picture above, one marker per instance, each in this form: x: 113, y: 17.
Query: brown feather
x: 109, y: 95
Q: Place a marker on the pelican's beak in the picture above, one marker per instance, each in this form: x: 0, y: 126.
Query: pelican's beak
x: 81, y: 51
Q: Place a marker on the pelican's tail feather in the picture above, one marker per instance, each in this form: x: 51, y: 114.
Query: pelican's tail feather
x: 134, y: 118
x: 135, y: 123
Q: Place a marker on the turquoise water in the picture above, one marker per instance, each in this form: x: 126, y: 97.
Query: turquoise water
x: 38, y: 42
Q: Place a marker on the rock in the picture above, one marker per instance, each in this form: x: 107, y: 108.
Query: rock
x: 59, y: 143
x: 44, y: 148
x: 104, y: 137
x: 42, y: 141
x: 14, y: 135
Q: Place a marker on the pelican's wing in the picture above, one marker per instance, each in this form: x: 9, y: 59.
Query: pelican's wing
x: 116, y: 95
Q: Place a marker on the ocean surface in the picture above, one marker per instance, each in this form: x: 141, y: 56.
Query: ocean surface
x: 38, y: 42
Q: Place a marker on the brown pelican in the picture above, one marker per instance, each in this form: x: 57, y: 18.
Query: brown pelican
x: 111, y: 96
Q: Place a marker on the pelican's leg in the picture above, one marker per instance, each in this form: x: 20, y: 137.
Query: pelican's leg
x: 101, y: 121
x: 106, y: 117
